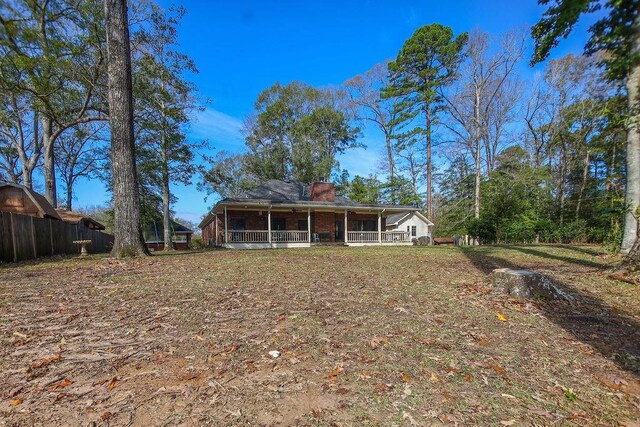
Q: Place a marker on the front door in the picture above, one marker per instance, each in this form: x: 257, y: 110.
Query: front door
x: 339, y: 231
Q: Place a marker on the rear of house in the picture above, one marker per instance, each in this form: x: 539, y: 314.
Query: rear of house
x: 282, y: 214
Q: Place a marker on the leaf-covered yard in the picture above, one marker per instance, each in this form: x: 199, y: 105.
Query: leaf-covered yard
x: 366, y: 336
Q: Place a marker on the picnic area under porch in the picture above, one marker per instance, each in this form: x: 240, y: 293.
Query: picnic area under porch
x: 268, y: 227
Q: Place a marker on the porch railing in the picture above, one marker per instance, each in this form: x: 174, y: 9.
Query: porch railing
x: 372, y: 236
x: 262, y: 236
x: 363, y: 236
x: 290, y: 236
x: 247, y: 236
x: 395, y: 236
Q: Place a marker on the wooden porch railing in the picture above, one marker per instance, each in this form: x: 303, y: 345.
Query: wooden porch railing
x: 262, y: 236
x: 247, y: 236
x: 362, y: 236
x: 290, y: 236
x: 395, y: 236
x: 372, y: 237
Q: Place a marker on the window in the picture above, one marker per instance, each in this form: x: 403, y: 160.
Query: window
x: 413, y: 231
x: 278, y: 223
x: 303, y: 225
x: 365, y: 225
x: 408, y: 228
x: 238, y: 224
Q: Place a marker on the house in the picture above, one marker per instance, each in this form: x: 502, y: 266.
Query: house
x: 414, y: 223
x: 78, y: 218
x: 16, y: 198
x: 154, y: 236
x: 282, y: 214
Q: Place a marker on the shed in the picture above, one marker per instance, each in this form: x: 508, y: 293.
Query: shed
x: 154, y: 235
x: 79, y: 218
x: 16, y: 198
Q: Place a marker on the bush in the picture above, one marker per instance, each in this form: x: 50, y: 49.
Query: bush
x: 613, y: 239
x: 482, y: 229
x: 521, y: 230
x: 197, y: 244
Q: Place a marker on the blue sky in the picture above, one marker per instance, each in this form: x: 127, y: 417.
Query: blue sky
x: 243, y: 47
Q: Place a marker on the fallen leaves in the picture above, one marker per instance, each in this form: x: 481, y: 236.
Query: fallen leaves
x: 501, y: 317
x: 499, y: 369
x: 337, y: 371
x: 377, y: 342
x: 406, y: 377
x: 44, y: 362
x: 16, y: 402
x: 112, y: 384
x: 62, y: 384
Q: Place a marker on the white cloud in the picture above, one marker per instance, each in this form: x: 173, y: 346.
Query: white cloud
x: 223, y: 131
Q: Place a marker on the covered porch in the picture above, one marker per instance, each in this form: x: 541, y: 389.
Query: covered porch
x: 261, y: 227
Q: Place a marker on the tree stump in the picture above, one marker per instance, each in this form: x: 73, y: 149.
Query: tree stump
x: 525, y: 284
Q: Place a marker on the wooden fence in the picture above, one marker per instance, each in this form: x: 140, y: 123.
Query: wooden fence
x: 25, y: 237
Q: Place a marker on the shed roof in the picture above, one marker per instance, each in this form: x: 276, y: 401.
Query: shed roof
x: 38, y: 199
x: 156, y: 229
x: 76, y: 217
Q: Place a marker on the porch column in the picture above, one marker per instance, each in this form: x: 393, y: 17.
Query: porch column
x: 309, y: 223
x: 346, y: 228
x: 269, y: 224
x: 379, y: 227
x: 225, y: 224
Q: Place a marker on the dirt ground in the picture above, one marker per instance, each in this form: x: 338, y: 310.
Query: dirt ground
x: 406, y: 336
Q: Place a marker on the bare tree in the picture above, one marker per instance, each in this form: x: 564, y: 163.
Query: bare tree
x: 81, y: 154
x: 483, y: 84
x: 363, y: 97
x: 127, y: 227
x: 19, y: 139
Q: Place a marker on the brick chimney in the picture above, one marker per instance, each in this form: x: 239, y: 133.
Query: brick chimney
x: 323, y: 192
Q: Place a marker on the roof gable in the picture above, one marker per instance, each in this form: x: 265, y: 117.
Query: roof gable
x: 39, y: 200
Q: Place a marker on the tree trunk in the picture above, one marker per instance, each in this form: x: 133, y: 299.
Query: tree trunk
x: 69, y: 193
x: 49, y: 162
x: 166, y: 218
x: 585, y: 178
x: 127, y: 227
x: 632, y: 195
x: 476, y: 142
x: 429, y: 165
x: 478, y: 181
x: 392, y: 179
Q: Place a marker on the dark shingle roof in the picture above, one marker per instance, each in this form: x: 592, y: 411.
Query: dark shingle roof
x: 392, y: 219
x: 275, y: 192
x: 154, y: 231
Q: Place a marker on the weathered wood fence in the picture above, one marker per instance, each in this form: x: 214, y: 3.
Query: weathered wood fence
x: 25, y: 237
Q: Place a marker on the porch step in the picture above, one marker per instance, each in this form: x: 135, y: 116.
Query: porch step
x: 328, y: 244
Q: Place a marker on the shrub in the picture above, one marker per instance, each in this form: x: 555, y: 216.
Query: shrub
x: 197, y: 243
x: 482, y: 229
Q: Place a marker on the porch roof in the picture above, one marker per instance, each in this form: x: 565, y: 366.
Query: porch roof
x: 264, y: 204
x: 293, y: 195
